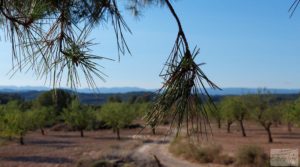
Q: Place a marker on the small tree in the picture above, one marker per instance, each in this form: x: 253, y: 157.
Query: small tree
x: 291, y: 114
x: 278, y: 113
x: 77, y: 116
x: 227, y: 112
x: 117, y: 116
x: 237, y: 107
x: 41, y: 117
x: 266, y: 119
x: 15, y: 122
x: 265, y: 112
x: 217, y: 114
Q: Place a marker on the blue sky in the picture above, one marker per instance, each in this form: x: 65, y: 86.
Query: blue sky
x: 243, y: 43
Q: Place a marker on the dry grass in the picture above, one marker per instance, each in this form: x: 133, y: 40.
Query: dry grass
x: 252, y: 156
x: 199, y: 153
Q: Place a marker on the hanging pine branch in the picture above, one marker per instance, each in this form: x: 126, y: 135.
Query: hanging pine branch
x: 183, y: 95
x: 51, y: 37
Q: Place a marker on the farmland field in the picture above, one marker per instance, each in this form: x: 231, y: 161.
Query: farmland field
x: 59, y: 148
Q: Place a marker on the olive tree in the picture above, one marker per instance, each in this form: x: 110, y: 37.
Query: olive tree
x: 238, y: 108
x: 117, y: 116
x: 266, y: 119
x: 265, y: 111
x: 291, y: 113
x: 16, y: 123
x: 227, y: 113
x: 41, y: 117
x: 217, y: 114
x: 78, y: 116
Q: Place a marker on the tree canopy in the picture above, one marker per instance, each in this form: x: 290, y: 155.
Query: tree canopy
x: 58, y: 99
x: 117, y: 115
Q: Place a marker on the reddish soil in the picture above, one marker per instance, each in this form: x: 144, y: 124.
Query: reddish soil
x: 256, y: 135
x: 62, y: 149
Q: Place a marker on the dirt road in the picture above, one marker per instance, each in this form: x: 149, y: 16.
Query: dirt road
x: 161, y: 152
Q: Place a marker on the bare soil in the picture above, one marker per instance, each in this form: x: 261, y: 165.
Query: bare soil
x: 66, y: 149
x: 256, y: 135
x: 63, y: 149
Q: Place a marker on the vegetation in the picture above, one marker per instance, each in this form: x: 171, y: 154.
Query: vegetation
x: 15, y: 123
x: 41, y: 117
x: 78, y: 117
x: 265, y: 112
x: 234, y: 108
x: 19, y: 117
x: 117, y: 116
x: 204, y: 154
x: 226, y: 112
x: 291, y: 113
x: 6, y: 97
x: 218, y: 114
x: 252, y: 156
x: 56, y: 98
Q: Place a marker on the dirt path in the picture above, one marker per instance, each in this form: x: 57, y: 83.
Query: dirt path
x: 159, y: 148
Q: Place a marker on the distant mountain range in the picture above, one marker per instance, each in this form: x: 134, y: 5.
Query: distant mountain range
x: 103, y: 90
x: 12, y: 89
x: 242, y: 91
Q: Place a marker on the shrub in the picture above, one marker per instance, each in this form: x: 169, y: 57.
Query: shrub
x: 252, y: 156
x: 208, y: 154
x: 203, y: 154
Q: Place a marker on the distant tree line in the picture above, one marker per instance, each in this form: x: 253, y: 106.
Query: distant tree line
x: 50, y: 108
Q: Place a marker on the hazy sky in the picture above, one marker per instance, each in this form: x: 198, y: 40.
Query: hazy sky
x: 243, y: 43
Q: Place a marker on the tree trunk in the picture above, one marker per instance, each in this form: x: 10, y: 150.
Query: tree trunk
x: 21, y: 139
x: 118, y: 134
x: 289, y: 127
x: 268, y: 129
x: 228, y: 126
x: 42, y: 131
x: 81, y: 133
x: 242, y: 128
x: 153, y: 131
x: 219, y: 123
